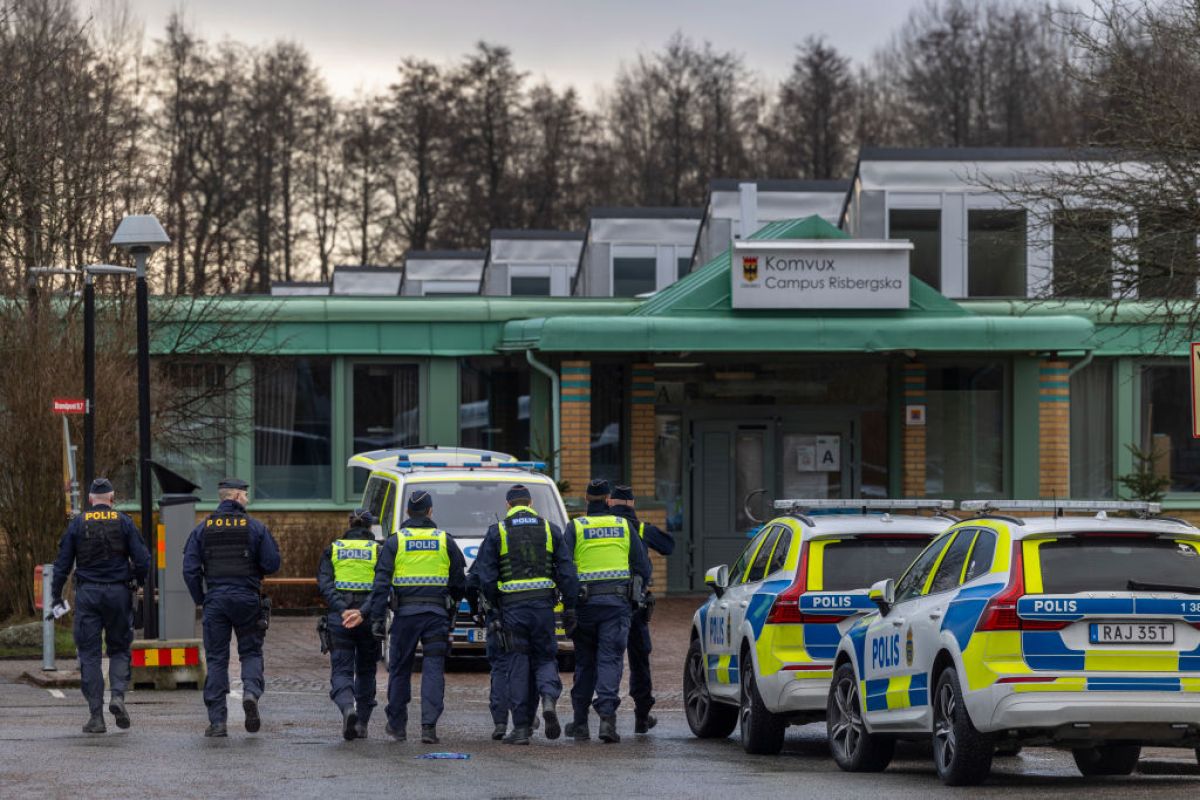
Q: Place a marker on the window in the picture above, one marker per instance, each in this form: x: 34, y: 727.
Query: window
x: 529, y: 286
x: 608, y: 414
x: 197, y: 427
x: 995, y: 253
x: 683, y: 265
x: 292, y: 410
x: 494, y: 406
x: 1092, y: 467
x: 913, y: 582
x: 668, y: 468
x: 965, y: 431
x: 380, y: 499
x: 850, y: 564
x: 634, y: 271
x: 951, y: 568
x: 1166, y: 252
x: 980, y: 561
x: 779, y: 557
x: 468, y: 508
x: 387, y: 409
x: 759, y: 569
x: 1083, y: 250
x: 924, y: 230
x: 1092, y: 564
x: 739, y: 566
x: 1166, y: 425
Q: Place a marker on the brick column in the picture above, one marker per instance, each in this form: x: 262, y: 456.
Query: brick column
x: 913, y: 484
x: 643, y: 434
x: 1054, y: 429
x: 575, y: 438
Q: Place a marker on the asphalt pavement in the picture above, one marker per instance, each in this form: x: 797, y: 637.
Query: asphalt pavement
x: 300, y: 754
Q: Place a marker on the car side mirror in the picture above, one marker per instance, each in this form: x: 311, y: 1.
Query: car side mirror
x: 883, y: 594
x: 717, y: 579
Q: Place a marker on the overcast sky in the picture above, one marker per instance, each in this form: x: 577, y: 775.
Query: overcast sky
x: 357, y: 43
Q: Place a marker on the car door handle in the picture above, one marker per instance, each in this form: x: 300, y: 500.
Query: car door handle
x: 724, y: 606
x: 897, y: 623
x: 744, y: 603
x: 935, y: 615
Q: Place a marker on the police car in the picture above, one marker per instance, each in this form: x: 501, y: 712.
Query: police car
x: 762, y: 647
x: 1075, y: 631
x: 468, y: 488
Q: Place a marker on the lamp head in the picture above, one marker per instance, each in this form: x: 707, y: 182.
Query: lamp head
x: 140, y: 233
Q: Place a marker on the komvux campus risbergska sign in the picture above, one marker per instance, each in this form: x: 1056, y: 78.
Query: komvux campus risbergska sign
x: 824, y: 273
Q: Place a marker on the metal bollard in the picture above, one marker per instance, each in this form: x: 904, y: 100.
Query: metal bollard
x: 48, y: 622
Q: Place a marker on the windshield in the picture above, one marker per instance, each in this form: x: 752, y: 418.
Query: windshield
x: 858, y: 563
x: 465, y: 509
x: 1108, y: 564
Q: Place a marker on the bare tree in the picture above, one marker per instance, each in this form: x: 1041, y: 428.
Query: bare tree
x: 421, y: 139
x: 365, y: 153
x: 812, y: 125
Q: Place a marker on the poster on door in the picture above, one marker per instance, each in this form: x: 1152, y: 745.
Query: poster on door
x: 818, y: 453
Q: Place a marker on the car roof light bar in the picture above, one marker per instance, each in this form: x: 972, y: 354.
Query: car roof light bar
x: 1060, y: 507
x: 521, y: 465
x: 879, y: 504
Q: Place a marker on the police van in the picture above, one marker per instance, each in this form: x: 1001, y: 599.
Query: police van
x: 1080, y: 632
x: 468, y: 488
x: 762, y: 646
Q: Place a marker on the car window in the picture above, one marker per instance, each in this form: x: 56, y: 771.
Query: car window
x: 1099, y: 563
x: 379, y: 497
x: 950, y: 570
x: 782, y: 546
x: 739, y: 567
x: 980, y: 560
x: 466, y: 508
x: 914, y: 579
x: 759, y: 569
x: 849, y: 564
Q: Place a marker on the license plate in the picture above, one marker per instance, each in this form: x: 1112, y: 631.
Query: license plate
x: 476, y: 635
x: 1132, y: 633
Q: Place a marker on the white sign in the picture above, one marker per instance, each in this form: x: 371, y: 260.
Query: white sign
x: 820, y: 273
x: 829, y: 453
x: 914, y: 415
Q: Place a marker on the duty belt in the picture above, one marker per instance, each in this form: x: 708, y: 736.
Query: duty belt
x: 598, y: 589
x: 512, y: 598
x: 412, y: 600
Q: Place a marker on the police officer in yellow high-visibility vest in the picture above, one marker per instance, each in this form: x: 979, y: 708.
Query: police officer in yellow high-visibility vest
x: 422, y: 570
x: 345, y: 577
x: 608, y: 556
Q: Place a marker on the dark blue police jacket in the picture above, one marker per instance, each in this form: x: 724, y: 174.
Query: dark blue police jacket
x: 639, y: 563
x: 117, y: 569
x: 487, y: 568
x: 264, y: 552
x: 456, y: 586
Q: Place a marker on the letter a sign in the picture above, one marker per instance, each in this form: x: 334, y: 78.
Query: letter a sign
x: 1195, y: 390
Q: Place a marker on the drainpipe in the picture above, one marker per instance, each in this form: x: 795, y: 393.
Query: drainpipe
x: 555, y: 410
x: 1081, y: 364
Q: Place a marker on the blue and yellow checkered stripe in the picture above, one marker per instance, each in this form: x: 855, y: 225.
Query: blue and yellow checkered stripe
x: 723, y: 669
x: 897, y: 692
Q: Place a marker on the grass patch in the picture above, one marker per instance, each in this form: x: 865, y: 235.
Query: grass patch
x: 64, y: 646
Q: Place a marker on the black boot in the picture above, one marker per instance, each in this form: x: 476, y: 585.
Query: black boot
x: 360, y: 730
x: 216, y: 730
x: 498, y: 731
x: 398, y: 735
x: 642, y: 723
x: 95, y: 724
x: 253, y: 720
x: 429, y: 734
x: 578, y: 731
x: 116, y: 707
x: 553, y: 729
x: 608, y: 729
x: 519, y: 735
x: 349, y: 724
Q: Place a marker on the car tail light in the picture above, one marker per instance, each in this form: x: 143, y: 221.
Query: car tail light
x: 786, y: 608
x: 1000, y: 614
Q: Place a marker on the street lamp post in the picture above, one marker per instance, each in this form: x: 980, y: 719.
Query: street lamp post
x: 141, y: 235
x: 89, y: 363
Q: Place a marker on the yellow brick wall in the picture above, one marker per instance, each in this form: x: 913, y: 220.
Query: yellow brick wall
x: 576, y: 434
x: 913, y: 484
x: 1054, y: 429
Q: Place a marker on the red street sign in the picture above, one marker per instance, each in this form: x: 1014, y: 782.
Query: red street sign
x: 37, y: 587
x: 69, y: 405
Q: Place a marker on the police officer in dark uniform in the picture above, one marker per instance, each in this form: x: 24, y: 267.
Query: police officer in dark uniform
x: 522, y: 565
x: 498, y: 658
x: 641, y: 688
x: 612, y: 566
x: 421, y: 571
x: 345, y: 577
x: 107, y: 553
x: 224, y: 561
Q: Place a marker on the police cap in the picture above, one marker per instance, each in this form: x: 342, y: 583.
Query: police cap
x: 233, y: 483
x: 517, y: 493
x: 598, y: 488
x: 361, y: 518
x: 622, y: 493
x: 420, y: 501
x: 101, y: 486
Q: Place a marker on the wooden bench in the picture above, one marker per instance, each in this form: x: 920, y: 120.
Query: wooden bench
x: 290, y: 581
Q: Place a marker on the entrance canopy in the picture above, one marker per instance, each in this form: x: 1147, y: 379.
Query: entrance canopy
x: 696, y: 314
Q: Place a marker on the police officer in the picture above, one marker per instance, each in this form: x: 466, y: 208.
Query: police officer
x: 522, y: 562
x: 345, y: 577
x: 611, y: 562
x: 641, y: 688
x: 224, y: 561
x: 421, y: 571
x: 107, y: 553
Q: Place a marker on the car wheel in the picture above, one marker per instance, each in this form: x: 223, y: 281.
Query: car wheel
x: 1107, y: 759
x: 707, y: 718
x: 854, y: 748
x: 962, y: 755
x: 761, y: 731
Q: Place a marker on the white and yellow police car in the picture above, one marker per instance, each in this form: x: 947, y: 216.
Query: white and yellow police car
x: 1074, y: 631
x: 762, y: 647
x: 468, y: 488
